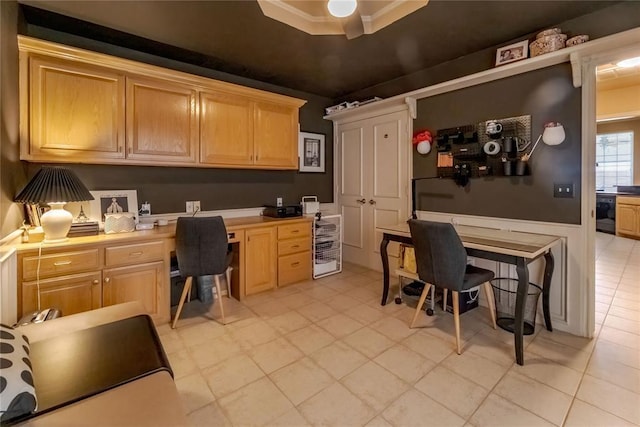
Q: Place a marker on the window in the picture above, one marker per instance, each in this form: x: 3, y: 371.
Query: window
x: 614, y: 164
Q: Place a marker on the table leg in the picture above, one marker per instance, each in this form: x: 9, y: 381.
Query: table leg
x: 385, y: 268
x: 546, y: 286
x: 521, y: 298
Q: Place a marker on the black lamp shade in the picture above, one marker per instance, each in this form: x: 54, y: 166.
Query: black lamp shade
x: 54, y: 184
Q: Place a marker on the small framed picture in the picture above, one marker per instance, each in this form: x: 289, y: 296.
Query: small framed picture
x: 112, y: 201
x: 311, y: 152
x: 513, y: 52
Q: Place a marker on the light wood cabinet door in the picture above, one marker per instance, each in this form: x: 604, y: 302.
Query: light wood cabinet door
x: 162, y: 121
x: 69, y: 294
x: 76, y: 112
x: 226, y: 129
x: 627, y: 221
x: 261, y: 260
x: 143, y: 283
x: 276, y: 135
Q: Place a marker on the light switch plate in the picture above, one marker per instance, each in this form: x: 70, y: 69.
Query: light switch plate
x: 563, y: 190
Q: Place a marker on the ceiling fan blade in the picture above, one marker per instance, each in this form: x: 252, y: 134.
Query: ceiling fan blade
x: 353, y: 26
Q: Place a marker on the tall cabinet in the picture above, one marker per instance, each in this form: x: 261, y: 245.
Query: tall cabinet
x: 373, y: 161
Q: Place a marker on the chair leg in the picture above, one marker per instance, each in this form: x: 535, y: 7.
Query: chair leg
x: 423, y: 297
x: 445, y: 293
x: 216, y: 278
x: 186, y: 290
x: 456, y: 319
x: 228, y: 277
x: 490, y: 302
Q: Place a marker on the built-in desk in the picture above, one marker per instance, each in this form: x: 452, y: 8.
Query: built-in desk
x: 86, y: 273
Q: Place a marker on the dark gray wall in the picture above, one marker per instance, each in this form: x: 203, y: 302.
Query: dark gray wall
x: 12, y: 172
x: 168, y: 188
x: 545, y: 95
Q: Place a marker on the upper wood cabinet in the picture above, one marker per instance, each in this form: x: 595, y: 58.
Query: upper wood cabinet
x: 162, y: 121
x: 84, y: 107
x: 75, y: 111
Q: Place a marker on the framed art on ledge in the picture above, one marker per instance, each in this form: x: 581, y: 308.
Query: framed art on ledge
x: 513, y: 52
x: 112, y: 201
x: 311, y: 152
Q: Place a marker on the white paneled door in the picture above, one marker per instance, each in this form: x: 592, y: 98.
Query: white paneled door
x: 373, y: 181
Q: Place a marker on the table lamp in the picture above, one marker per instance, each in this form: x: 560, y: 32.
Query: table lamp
x: 55, y: 186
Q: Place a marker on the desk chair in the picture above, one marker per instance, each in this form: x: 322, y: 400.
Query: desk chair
x: 202, y: 250
x: 441, y: 261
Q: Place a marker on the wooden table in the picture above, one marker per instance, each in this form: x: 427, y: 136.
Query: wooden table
x: 512, y: 247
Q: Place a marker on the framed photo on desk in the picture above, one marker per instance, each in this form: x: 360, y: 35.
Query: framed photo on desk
x: 112, y: 201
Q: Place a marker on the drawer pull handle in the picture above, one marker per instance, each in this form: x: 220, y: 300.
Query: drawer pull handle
x: 58, y: 263
x: 295, y: 246
x: 136, y: 253
x: 294, y: 264
x: 295, y: 231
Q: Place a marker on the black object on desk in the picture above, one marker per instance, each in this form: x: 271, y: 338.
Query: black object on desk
x: 84, y: 363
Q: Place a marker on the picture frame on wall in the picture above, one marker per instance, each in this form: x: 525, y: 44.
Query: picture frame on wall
x: 512, y: 53
x: 311, y: 152
x: 112, y: 201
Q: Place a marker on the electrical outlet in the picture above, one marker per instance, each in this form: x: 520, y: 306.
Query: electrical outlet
x: 563, y: 190
x: 196, y: 206
x: 189, y: 207
x: 279, y: 202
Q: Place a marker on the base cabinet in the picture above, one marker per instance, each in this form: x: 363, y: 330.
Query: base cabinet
x: 628, y: 216
x: 294, y: 253
x: 70, y: 294
x: 260, y: 260
x: 141, y: 283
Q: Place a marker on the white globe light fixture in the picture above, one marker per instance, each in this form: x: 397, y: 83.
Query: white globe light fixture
x: 342, y: 8
x: 423, y: 147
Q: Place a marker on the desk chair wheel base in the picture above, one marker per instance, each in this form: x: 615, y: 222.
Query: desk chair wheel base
x: 398, y: 300
x: 429, y: 311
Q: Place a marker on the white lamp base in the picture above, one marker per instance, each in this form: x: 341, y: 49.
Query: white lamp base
x: 56, y: 223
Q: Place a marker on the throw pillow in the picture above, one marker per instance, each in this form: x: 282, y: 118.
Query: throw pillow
x: 17, y: 394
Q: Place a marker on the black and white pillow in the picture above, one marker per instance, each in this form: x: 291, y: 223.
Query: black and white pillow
x: 17, y: 395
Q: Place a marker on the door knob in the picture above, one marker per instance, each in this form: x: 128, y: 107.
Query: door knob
x: 372, y: 202
x: 361, y: 201
x: 96, y: 281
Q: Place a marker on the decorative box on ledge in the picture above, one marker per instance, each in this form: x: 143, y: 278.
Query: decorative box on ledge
x: 89, y: 228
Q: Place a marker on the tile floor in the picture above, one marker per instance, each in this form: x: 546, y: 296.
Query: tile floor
x: 326, y: 353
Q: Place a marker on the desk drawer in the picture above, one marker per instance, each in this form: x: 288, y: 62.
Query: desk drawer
x: 60, y: 263
x: 302, y: 229
x: 134, y: 254
x: 294, y: 268
x: 291, y: 246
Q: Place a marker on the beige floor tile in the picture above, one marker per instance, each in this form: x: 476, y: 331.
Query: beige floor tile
x: 291, y: 418
x: 625, y: 313
x: 339, y: 325
x: 405, y: 363
x: 368, y: 342
x: 316, y: 311
x: 275, y: 354
x: 631, y: 296
x: 199, y: 333
x: 582, y: 414
x: 255, y: 404
x: 210, y: 415
x: 363, y: 294
x: 550, y: 373
x: 310, y: 339
x: 496, y: 411
x: 336, y: 406
x: 181, y: 363
x: 580, y: 343
x: 374, y: 385
x: 616, y: 373
x: 288, y: 322
x: 617, y: 336
x: 194, y: 392
x: 320, y: 292
x: 429, y: 346
x: 558, y: 353
x: 301, y: 380
x: 255, y: 334
x: 231, y: 375
x: 214, y: 351
x: 605, y: 351
x: 536, y: 397
x: 602, y: 308
x: 296, y: 300
x: 414, y: 408
x: 611, y: 398
x: 625, y: 303
x: 364, y: 313
x: 393, y: 328
x: 270, y: 308
x: 604, y: 299
x: 453, y: 391
x: 378, y: 421
x: 257, y: 299
x: 171, y: 341
x: 339, y: 359
x: 342, y: 302
x: 496, y: 351
x: 476, y: 368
